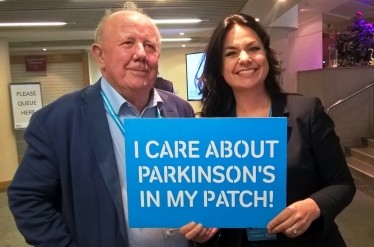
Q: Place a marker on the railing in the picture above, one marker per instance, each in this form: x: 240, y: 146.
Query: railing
x: 347, y: 98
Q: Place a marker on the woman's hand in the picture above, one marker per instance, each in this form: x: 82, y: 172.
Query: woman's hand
x: 197, y: 233
x: 295, y: 219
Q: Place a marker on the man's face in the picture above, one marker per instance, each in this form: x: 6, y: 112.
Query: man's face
x: 129, y: 52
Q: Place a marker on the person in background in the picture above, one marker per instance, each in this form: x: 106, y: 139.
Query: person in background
x: 241, y: 78
x: 164, y: 84
x: 70, y: 188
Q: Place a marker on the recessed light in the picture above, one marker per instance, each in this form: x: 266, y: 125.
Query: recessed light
x: 176, y: 21
x: 183, y: 45
x: 175, y: 39
x: 257, y: 19
x: 44, y: 49
x: 31, y: 24
x: 181, y: 33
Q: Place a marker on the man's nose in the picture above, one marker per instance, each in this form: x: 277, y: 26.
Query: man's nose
x: 140, y: 52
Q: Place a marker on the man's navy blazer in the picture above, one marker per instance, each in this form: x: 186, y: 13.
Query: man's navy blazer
x: 164, y: 84
x: 66, y: 191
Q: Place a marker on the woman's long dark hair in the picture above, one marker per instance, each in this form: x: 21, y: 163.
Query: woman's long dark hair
x: 217, y: 96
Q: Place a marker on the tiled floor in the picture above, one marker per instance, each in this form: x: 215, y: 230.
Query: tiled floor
x: 364, y: 188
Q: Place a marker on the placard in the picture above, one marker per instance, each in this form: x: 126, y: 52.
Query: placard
x: 221, y: 172
x: 26, y: 98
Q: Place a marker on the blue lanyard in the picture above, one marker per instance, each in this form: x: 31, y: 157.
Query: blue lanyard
x: 270, y: 112
x: 109, y: 108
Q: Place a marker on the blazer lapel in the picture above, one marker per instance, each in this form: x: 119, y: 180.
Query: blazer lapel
x: 97, y: 127
x: 169, y: 108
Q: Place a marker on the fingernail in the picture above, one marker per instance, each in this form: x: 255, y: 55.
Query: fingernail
x: 200, y: 226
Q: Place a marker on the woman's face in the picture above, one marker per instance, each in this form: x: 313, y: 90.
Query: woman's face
x: 245, y: 66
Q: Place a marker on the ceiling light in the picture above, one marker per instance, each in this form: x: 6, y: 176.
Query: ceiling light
x: 181, y: 33
x: 176, y: 21
x: 31, y: 24
x: 44, y: 49
x: 257, y: 19
x: 183, y: 45
x: 176, y: 39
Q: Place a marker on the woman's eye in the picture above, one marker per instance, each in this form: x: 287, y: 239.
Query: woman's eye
x: 254, y: 49
x: 231, y: 54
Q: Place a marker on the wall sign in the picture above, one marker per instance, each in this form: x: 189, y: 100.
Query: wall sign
x: 26, y: 98
x: 36, y: 63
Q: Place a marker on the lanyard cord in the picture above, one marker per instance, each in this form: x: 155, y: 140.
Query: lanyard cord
x: 109, y: 108
x: 270, y: 112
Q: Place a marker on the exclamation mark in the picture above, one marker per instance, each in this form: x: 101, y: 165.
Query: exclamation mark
x: 271, y: 198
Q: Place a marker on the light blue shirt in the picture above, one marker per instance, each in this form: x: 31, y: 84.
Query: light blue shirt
x: 138, y: 237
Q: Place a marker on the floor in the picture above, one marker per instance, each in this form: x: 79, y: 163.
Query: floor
x: 356, y: 222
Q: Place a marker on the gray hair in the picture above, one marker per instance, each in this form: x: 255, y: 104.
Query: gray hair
x: 127, y: 6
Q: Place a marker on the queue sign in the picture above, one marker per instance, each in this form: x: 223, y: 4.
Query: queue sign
x: 26, y: 98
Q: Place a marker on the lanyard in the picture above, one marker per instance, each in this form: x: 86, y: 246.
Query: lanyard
x: 270, y: 112
x: 109, y: 108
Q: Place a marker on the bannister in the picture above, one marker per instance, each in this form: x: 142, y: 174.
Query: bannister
x: 347, y: 98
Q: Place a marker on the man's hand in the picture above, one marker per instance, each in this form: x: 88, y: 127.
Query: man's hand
x: 197, y: 233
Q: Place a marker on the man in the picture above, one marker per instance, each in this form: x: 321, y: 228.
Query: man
x: 164, y: 84
x: 70, y: 188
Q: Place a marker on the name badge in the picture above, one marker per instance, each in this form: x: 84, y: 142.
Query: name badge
x: 259, y: 234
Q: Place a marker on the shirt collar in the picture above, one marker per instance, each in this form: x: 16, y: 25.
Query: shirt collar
x: 156, y: 100
x: 117, y: 100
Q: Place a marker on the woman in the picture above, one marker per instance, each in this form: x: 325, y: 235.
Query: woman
x: 241, y: 79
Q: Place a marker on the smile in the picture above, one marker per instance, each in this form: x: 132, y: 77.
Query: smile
x: 247, y: 71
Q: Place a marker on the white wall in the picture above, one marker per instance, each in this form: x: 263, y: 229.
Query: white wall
x: 280, y: 43
x: 172, y: 66
x: 306, y: 49
x: 94, y: 69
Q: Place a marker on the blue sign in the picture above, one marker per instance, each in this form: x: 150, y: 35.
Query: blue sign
x: 220, y: 172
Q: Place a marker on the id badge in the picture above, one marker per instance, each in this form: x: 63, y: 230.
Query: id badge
x: 259, y: 234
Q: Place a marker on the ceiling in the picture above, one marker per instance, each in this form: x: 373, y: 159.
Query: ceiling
x: 83, y: 16
x: 337, y: 15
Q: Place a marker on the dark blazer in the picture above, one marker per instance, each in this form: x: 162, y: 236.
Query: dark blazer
x: 163, y: 84
x: 66, y: 191
x: 316, y: 168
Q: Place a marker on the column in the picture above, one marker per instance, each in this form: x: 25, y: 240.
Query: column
x: 8, y: 149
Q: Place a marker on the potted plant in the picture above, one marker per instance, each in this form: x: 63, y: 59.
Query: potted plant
x: 355, y: 45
